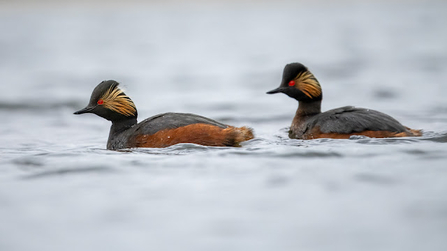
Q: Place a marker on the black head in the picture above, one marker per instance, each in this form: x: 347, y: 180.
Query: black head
x: 299, y: 83
x: 110, y: 102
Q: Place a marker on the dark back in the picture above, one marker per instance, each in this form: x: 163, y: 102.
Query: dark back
x: 350, y: 119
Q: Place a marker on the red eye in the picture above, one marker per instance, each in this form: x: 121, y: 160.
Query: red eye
x: 100, y: 102
x: 291, y: 83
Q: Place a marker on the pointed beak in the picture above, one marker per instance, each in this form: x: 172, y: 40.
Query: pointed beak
x: 277, y: 90
x: 87, y: 109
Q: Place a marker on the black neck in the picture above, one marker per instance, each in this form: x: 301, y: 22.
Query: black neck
x: 305, y: 111
x: 308, y: 108
x: 121, y: 126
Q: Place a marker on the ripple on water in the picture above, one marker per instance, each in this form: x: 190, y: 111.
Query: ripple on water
x: 437, y: 137
x: 40, y: 163
x: 67, y: 171
x: 179, y: 149
x: 283, y: 147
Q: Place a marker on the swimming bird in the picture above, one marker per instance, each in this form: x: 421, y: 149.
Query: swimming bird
x: 110, y: 102
x: 341, y: 123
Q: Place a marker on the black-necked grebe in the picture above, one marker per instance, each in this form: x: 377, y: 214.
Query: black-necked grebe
x: 341, y: 123
x: 110, y: 102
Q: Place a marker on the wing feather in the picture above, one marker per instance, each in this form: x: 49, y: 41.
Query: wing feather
x: 350, y: 119
x: 171, y: 121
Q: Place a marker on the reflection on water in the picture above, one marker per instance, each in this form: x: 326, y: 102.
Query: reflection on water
x: 61, y: 190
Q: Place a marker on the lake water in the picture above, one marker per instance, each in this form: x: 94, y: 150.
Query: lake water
x: 60, y: 189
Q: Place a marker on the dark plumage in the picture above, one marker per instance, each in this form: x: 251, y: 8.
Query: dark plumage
x: 111, y: 103
x: 309, y: 122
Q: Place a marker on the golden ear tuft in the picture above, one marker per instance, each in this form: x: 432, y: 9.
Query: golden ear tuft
x: 308, y: 84
x: 116, y: 100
